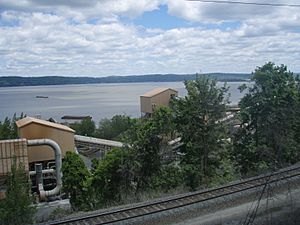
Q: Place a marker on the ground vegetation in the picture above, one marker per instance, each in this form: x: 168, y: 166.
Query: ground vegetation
x: 17, y: 207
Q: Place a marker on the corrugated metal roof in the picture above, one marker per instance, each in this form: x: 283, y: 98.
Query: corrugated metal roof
x: 27, y: 120
x: 156, y: 91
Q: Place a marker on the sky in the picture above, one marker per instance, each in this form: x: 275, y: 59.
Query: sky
x: 131, y: 37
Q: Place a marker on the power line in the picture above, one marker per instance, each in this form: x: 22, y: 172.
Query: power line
x: 247, y: 3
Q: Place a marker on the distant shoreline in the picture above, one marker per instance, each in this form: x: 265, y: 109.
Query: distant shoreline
x: 18, y: 81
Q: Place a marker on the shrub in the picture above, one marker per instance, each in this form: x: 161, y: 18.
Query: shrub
x: 17, y: 206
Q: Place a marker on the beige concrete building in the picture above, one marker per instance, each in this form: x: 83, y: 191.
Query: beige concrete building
x: 32, y: 128
x: 154, y: 98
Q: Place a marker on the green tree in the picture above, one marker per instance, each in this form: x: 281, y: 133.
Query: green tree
x: 76, y: 182
x: 8, y: 128
x: 5, y: 129
x: 86, y: 127
x: 169, y: 178
x: 146, y: 140
x: 270, y: 120
x: 17, y: 206
x: 109, y: 178
x: 197, y: 116
x: 114, y: 128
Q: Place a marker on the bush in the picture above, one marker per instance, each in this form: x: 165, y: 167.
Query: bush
x: 86, y: 127
x: 192, y: 176
x: 224, y: 174
x: 17, y: 207
x: 109, y: 178
x: 114, y: 128
x: 169, y: 178
x: 75, y: 182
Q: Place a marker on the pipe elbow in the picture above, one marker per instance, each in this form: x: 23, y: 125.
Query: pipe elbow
x: 58, y: 165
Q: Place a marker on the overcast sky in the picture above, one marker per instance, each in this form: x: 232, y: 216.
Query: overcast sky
x: 126, y: 37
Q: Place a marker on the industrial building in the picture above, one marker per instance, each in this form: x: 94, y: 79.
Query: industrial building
x: 32, y: 128
x: 154, y: 98
x: 11, y: 151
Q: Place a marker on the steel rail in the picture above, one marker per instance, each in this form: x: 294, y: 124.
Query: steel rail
x: 179, y: 201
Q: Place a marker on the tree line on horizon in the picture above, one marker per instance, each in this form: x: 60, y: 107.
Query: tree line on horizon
x: 10, y: 81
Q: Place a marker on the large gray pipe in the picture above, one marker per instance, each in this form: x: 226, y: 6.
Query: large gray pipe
x: 58, y: 163
x: 33, y: 172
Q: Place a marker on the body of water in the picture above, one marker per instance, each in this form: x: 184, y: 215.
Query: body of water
x: 96, y: 100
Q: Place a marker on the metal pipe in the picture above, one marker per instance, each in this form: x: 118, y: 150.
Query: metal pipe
x: 98, y: 141
x: 33, y: 172
x: 58, y: 163
x: 39, y: 175
x: 39, y: 180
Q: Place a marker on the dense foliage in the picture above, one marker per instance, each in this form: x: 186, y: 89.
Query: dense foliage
x: 269, y: 136
x: 86, y: 127
x: 145, y: 141
x: 75, y: 181
x: 125, y: 171
x: 8, y: 127
x: 114, y: 128
x: 17, y: 208
x: 110, y: 178
x: 111, y: 129
x: 169, y: 178
x: 198, y: 119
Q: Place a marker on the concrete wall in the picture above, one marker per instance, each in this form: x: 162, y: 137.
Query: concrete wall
x: 146, y: 106
x: 63, y: 138
x: 163, y: 99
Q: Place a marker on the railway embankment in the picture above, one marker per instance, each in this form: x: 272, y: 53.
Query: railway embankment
x: 275, y: 203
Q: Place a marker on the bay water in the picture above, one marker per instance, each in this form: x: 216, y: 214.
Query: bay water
x: 96, y: 100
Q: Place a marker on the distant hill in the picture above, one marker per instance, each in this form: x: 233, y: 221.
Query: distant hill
x: 7, y: 81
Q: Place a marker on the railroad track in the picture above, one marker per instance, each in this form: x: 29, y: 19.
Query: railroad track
x: 124, y: 214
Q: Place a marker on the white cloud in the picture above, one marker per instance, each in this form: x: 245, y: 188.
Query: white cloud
x: 82, y: 9
x: 211, y: 12
x: 58, y: 38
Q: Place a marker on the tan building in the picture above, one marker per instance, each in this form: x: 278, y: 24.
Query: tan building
x: 154, y: 98
x: 31, y: 128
